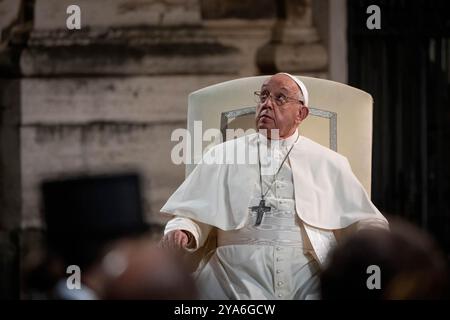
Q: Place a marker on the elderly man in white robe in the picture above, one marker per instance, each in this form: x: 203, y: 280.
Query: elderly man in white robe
x: 275, y: 221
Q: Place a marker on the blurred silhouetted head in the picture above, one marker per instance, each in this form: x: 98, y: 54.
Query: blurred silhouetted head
x: 141, y: 270
x: 410, y: 266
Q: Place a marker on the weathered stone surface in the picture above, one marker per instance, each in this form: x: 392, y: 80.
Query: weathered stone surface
x: 117, y: 37
x: 298, y: 13
x: 299, y: 58
x: 132, y: 36
x: 61, y: 150
x: 238, y: 9
x: 246, y: 36
x: 284, y: 33
x: 205, y: 58
x: 115, y: 99
x: 295, y: 46
x: 72, y: 126
x: 9, y: 13
x: 51, y: 14
x: 10, y: 17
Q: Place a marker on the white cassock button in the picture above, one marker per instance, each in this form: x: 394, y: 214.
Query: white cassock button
x: 280, y: 283
x: 280, y: 295
x: 278, y: 248
x: 278, y: 271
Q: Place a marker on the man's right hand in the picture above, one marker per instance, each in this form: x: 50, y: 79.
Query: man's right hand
x: 177, y: 239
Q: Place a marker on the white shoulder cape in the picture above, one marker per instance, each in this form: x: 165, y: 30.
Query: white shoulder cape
x: 327, y: 193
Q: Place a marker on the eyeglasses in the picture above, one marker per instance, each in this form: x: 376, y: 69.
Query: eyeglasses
x: 279, y: 99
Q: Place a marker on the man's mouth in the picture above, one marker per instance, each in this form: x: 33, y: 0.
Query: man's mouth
x: 262, y: 116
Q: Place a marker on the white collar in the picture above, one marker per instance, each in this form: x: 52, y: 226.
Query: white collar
x: 283, y: 143
x: 287, y: 142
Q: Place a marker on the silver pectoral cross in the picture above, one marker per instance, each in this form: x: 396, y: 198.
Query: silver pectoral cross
x: 260, y: 210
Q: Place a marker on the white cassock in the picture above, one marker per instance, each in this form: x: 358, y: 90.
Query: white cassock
x: 314, y: 194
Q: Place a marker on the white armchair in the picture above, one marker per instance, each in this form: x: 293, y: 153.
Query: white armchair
x: 340, y: 116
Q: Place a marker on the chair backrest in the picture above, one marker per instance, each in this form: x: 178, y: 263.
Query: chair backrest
x: 340, y: 116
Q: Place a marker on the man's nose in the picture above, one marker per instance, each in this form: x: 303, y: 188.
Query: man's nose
x: 268, y: 102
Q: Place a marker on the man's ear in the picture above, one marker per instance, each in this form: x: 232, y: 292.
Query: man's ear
x: 303, y: 112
